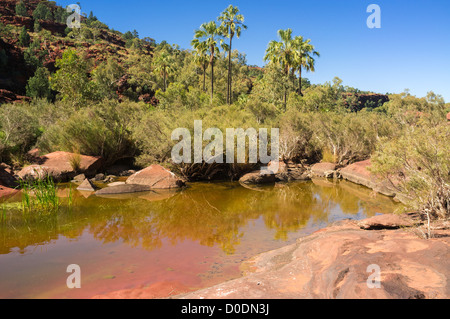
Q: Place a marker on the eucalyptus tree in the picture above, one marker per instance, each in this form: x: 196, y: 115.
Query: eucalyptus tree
x: 210, y: 33
x: 282, y: 53
x: 164, y: 64
x: 303, y: 58
x: 232, y: 25
x: 201, y: 57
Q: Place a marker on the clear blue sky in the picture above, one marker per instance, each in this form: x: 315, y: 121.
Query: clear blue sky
x: 411, y: 50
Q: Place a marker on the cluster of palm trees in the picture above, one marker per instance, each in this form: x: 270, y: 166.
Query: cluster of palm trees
x: 292, y: 55
x: 211, y: 37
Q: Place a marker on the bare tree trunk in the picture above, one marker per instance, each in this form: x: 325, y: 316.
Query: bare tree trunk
x: 229, y: 93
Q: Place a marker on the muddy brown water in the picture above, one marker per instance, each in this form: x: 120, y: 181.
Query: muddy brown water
x: 159, y: 244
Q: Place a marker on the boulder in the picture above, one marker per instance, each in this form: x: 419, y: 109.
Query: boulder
x: 79, y: 178
x: 323, y: 169
x: 6, y: 192
x: 387, y: 221
x: 123, y: 189
x: 258, y: 177
x: 58, y: 166
x: 87, y: 186
x: 359, y: 174
x: 287, y: 172
x: 156, y: 177
x: 6, y: 179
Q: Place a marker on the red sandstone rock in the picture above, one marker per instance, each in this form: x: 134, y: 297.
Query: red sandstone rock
x: 256, y: 177
x: 323, y: 169
x: 387, y: 221
x: 359, y: 174
x: 156, y: 177
x: 333, y: 264
x: 58, y: 166
x: 6, y: 192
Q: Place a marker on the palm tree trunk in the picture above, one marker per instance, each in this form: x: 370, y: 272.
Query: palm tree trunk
x: 300, y: 81
x: 212, y: 81
x: 204, y: 77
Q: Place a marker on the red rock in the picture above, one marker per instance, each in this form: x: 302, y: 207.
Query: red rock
x: 57, y: 165
x: 6, y: 192
x: 156, y: 177
x: 323, y: 169
x: 334, y: 264
x: 387, y: 221
x: 87, y: 186
x: 258, y: 177
x: 123, y: 189
x: 359, y: 174
x: 448, y: 116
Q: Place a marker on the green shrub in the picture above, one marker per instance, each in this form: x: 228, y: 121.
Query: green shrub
x: 19, y: 130
x: 98, y: 130
x: 417, y: 163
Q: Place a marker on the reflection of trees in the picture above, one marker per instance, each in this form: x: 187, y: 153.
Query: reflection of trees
x: 212, y: 214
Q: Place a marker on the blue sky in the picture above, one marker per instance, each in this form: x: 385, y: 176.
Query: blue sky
x: 410, y: 50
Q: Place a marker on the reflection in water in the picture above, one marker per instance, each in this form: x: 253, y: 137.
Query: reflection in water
x: 195, y: 237
x: 212, y: 214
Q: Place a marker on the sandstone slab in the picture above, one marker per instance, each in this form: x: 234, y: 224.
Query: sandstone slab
x: 333, y: 264
x: 123, y: 189
x: 59, y: 166
x: 358, y: 173
x: 258, y: 177
x: 323, y: 169
x: 156, y: 177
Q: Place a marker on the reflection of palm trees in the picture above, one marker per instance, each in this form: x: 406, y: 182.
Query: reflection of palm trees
x: 211, y: 214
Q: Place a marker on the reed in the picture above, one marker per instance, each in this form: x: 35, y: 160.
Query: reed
x: 39, y: 196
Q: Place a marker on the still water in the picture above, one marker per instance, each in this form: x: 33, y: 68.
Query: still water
x: 154, y: 245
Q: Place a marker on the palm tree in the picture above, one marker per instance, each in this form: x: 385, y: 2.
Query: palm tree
x: 232, y: 25
x: 303, y: 58
x: 201, y: 57
x: 282, y: 53
x: 210, y: 33
x: 164, y: 65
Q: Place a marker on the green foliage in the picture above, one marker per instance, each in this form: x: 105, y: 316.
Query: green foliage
x: 19, y: 131
x: 39, y: 196
x: 37, y: 26
x: 38, y: 86
x: 100, y: 130
x: 417, y: 162
x: 106, y: 76
x: 71, y: 79
x: 24, y: 37
x: 21, y: 10
x: 42, y: 12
